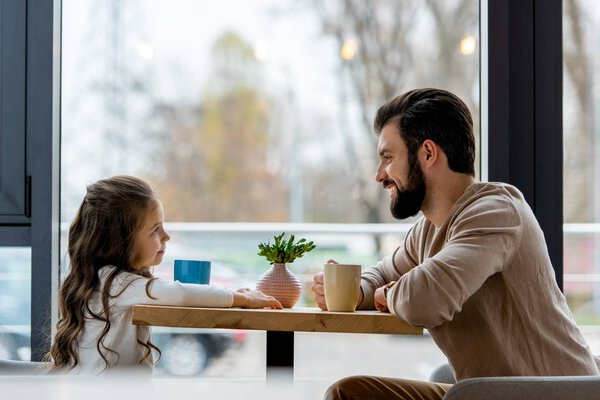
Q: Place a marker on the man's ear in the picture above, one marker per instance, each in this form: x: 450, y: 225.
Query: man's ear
x: 430, y: 152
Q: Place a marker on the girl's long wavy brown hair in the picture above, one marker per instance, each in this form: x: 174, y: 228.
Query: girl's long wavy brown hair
x: 102, y: 233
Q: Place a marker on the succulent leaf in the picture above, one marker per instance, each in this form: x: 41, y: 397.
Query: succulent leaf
x: 284, y: 251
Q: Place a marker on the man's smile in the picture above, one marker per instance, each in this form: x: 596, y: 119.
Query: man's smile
x: 390, y: 186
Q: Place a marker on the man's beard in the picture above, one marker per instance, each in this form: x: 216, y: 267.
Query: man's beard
x: 409, y: 200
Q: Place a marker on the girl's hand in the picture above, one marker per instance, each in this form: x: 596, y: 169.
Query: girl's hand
x: 254, y: 299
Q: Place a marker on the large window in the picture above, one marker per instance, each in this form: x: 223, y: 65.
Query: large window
x: 582, y: 164
x: 15, y: 303
x: 253, y: 122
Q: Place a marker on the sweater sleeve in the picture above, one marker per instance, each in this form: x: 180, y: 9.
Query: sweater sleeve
x: 374, y: 277
x: 172, y: 293
x: 481, y: 242
x: 387, y: 270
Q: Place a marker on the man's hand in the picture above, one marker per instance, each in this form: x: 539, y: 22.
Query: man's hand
x: 318, y: 289
x: 380, y: 300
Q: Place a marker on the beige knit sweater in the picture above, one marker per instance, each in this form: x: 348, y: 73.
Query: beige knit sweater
x: 484, y: 287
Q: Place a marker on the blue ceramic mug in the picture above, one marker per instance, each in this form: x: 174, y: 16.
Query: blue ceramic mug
x: 192, y: 271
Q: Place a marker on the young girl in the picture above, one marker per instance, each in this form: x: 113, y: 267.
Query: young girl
x: 114, y: 240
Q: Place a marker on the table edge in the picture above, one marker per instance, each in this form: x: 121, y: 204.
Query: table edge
x: 391, y: 325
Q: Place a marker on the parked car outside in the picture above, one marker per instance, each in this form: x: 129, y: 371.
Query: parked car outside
x: 187, y: 352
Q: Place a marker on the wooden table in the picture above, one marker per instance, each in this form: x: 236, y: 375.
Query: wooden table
x: 279, y: 324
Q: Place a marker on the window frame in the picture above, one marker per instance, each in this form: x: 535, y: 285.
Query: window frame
x: 524, y: 108
x: 13, y: 201
x: 37, y: 55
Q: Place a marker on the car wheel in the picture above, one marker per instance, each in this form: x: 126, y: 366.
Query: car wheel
x: 185, y: 355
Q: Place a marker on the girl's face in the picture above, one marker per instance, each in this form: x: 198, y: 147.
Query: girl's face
x: 151, y: 239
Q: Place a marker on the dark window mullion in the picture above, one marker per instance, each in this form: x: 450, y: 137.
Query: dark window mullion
x: 525, y: 108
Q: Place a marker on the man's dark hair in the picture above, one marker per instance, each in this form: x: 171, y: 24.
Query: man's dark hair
x: 437, y: 115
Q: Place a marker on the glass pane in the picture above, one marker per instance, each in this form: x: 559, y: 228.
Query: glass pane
x: 328, y: 357
x: 15, y: 303
x: 254, y: 122
x: 581, y: 137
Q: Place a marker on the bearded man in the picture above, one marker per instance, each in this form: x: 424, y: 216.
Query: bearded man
x: 474, y: 270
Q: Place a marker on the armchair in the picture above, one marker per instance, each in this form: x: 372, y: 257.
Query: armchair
x: 519, y: 387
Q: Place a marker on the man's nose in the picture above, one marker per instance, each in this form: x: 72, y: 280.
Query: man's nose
x: 380, y: 174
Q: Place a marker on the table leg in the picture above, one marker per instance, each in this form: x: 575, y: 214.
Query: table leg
x: 280, y: 355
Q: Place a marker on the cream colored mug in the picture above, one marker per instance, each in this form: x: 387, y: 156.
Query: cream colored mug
x: 342, y: 283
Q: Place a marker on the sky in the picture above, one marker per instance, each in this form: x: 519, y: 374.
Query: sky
x: 180, y: 33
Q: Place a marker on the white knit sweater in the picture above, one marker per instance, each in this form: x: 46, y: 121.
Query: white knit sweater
x: 123, y: 336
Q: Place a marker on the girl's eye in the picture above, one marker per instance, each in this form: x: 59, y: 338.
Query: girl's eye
x: 157, y: 229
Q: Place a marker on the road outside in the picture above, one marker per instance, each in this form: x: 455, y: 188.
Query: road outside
x: 330, y: 356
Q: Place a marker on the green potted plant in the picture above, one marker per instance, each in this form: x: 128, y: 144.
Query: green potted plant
x: 279, y: 281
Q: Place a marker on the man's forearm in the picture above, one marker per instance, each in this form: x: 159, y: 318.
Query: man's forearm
x: 375, y: 277
x: 365, y: 296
